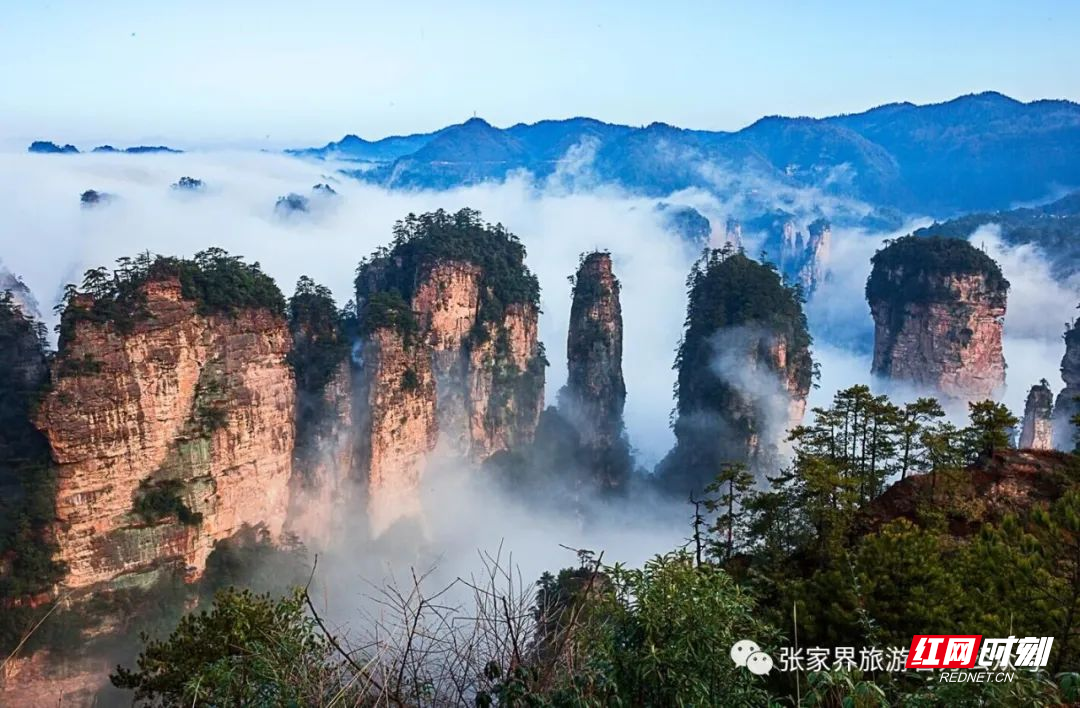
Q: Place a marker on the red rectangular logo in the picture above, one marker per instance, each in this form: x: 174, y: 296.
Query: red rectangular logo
x: 943, y: 651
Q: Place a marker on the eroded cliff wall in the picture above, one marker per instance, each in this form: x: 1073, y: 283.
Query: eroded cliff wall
x: 167, y: 437
x: 396, y: 422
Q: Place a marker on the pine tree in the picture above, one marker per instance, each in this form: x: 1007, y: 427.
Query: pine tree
x: 991, y: 429
x: 729, y: 527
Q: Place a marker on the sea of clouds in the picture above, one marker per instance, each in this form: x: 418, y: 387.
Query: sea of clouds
x: 49, y: 239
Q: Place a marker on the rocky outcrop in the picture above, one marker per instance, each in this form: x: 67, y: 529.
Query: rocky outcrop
x: 593, y: 399
x: 450, y: 350
x: 169, y: 432
x: 1007, y: 482
x: 20, y: 294
x: 938, y: 307
x: 1037, y: 431
x: 580, y: 447
x: 733, y: 232
x: 595, y: 393
x: 744, y: 371
x: 1068, y: 401
x: 46, y: 679
x: 815, y: 255
x: 802, y: 257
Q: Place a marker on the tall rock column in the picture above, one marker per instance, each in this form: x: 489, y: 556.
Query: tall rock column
x: 939, y: 307
x: 593, y: 399
x: 1068, y: 401
x: 744, y: 370
x: 595, y: 394
x: 1037, y: 431
x: 448, y: 320
x: 323, y: 480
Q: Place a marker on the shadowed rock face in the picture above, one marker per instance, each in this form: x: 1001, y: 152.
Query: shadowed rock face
x: 191, y: 408
x: 1037, y: 431
x: 744, y: 370
x: 595, y: 394
x: 23, y: 373
x: 938, y: 308
x: 592, y: 402
x: 1068, y: 401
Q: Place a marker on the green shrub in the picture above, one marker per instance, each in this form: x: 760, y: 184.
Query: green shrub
x: 156, y: 500
x: 216, y: 281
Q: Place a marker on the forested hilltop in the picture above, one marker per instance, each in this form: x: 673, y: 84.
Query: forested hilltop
x: 973, y: 536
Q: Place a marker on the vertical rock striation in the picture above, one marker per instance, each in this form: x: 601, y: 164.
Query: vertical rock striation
x: 938, y: 306
x: 396, y: 422
x: 450, y: 349
x: 815, y: 255
x: 595, y: 394
x: 744, y: 370
x: 1037, y: 431
x: 1068, y: 401
x: 323, y: 482
x: 171, y: 427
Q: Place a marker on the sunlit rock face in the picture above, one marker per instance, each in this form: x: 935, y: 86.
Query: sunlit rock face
x: 939, y: 308
x: 450, y: 351
x: 396, y: 423
x: 184, y: 408
x: 1037, y: 431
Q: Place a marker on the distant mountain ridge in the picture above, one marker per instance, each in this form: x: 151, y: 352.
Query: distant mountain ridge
x: 46, y: 146
x: 1053, y: 227
x: 977, y: 152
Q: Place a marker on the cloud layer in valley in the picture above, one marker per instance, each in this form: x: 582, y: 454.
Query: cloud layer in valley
x: 49, y: 239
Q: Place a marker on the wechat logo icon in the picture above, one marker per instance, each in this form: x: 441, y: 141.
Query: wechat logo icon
x: 747, y: 654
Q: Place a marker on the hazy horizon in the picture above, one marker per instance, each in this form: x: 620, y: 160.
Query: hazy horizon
x: 261, y: 75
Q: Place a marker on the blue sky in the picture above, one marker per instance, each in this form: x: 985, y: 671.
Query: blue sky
x: 279, y: 73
